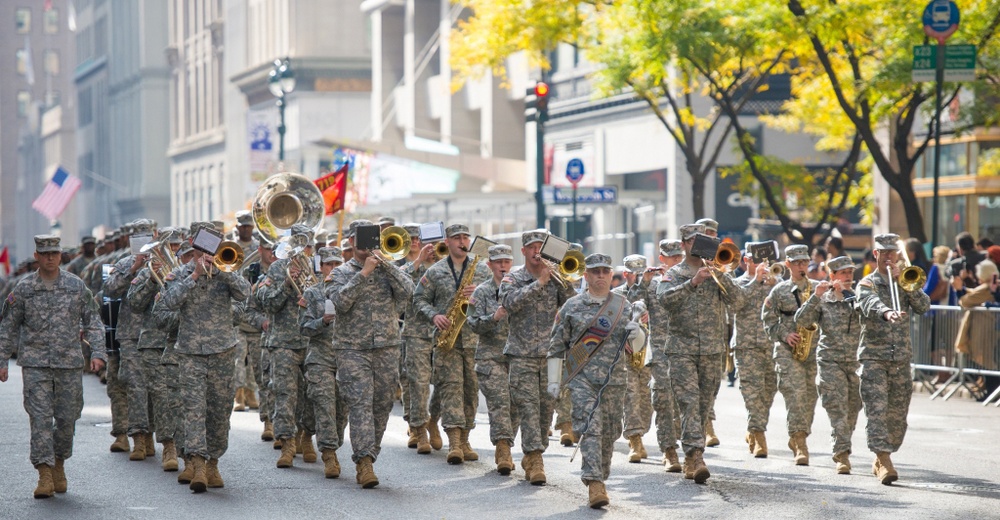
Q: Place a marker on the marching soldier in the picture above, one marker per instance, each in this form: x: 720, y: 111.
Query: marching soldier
x: 532, y: 299
x: 638, y: 397
x: 796, y: 379
x: 173, y: 417
x: 885, y: 355
x: 368, y: 294
x: 246, y: 388
x: 712, y: 230
x: 590, y: 332
x: 832, y: 308
x: 47, y: 311
x: 87, y: 247
x: 253, y: 324
x: 488, y: 319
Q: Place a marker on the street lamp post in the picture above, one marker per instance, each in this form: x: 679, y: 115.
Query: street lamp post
x: 281, y: 82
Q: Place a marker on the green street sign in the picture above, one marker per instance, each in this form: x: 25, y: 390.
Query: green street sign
x: 959, y: 62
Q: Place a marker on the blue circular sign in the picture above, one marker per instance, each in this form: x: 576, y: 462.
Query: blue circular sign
x: 574, y: 170
x: 940, y: 19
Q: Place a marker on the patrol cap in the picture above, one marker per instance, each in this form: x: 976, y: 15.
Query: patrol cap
x: 47, y: 244
x: 266, y: 245
x: 635, y: 263
x: 708, y: 223
x: 244, y: 218
x: 887, y: 242
x: 576, y: 246
x: 88, y: 240
x: 330, y: 254
x: 456, y: 229
x: 355, y: 224
x: 345, y: 245
x: 412, y: 229
x: 596, y: 260
x: 386, y: 220
x: 126, y: 229
x: 688, y: 231
x: 184, y: 232
x: 302, y: 229
x: 500, y: 252
x: 321, y: 237
x: 671, y: 247
x: 535, y: 235
x: 184, y: 249
x: 198, y: 226
x: 220, y: 226
x: 797, y: 252
x: 839, y: 263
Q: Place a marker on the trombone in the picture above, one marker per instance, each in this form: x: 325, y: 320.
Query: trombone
x: 394, y: 242
x: 727, y: 258
x: 568, y: 270
x: 440, y: 250
x: 229, y: 257
x: 910, y: 278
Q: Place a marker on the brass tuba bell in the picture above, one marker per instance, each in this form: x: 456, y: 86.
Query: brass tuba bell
x: 286, y: 199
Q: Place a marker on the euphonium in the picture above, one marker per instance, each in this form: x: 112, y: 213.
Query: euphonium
x: 229, y: 257
x: 293, y: 248
x: 395, y: 242
x: 457, y: 309
x: 800, y: 352
x: 164, y: 256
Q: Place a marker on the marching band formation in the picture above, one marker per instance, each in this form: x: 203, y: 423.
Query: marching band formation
x: 322, y: 337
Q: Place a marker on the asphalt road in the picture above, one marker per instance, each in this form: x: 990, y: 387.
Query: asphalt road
x: 948, y: 469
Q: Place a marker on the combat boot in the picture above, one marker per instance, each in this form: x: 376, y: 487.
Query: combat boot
x: 120, y: 445
x: 331, y: 466
x: 670, y: 461
x: 566, y: 434
x: 212, y: 475
x: 467, y: 452
x: 635, y: 448
x: 169, y: 456
x: 45, y: 487
x: 598, y: 495
x: 138, y: 447
x: 423, y: 444
x: 366, y: 473
x: 412, y: 441
x: 199, y: 481
x: 505, y: 464
x: 250, y: 398
x: 760, y: 448
x: 885, y: 471
x: 455, y: 455
x: 287, y: 453
x: 843, y: 463
x: 150, y: 445
x: 185, y: 476
x: 797, y: 443
x: 308, y: 451
x: 537, y: 470
x: 59, y: 483
x: 699, y: 471
x: 298, y: 441
x: 268, y: 433
x: 433, y: 433
x: 751, y: 443
x: 238, y: 403
x: 710, y: 438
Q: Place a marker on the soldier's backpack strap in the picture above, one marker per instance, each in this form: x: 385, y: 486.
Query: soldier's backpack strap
x: 592, y: 339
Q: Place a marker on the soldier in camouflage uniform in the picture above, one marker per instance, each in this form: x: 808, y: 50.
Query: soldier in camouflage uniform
x: 249, y: 335
x: 832, y: 308
x: 454, y: 368
x: 532, y: 299
x: 87, y: 247
x: 368, y: 294
x: 754, y: 352
x: 206, y: 346
x: 638, y: 396
x: 695, y: 344
x: 885, y: 355
x: 667, y: 415
x: 489, y: 320
x: 598, y: 388
x: 796, y: 379
x: 251, y: 316
x: 46, y: 313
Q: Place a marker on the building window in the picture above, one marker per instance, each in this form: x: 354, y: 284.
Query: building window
x: 21, y: 56
x: 952, y: 216
x: 52, y: 62
x: 52, y: 98
x: 23, y: 100
x: 989, y: 218
x: 22, y: 20
x: 84, y: 107
x: 52, y: 21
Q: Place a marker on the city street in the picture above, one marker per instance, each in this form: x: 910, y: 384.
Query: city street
x: 948, y: 469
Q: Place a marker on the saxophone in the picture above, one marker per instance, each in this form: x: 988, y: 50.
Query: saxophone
x: 800, y: 352
x: 457, y: 310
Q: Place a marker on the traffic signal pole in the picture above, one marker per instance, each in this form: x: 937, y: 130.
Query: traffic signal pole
x: 539, y: 171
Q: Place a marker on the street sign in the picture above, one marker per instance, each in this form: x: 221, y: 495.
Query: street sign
x: 574, y: 170
x: 959, y: 62
x: 595, y: 195
x: 940, y: 19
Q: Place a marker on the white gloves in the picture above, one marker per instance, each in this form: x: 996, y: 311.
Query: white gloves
x: 555, y: 371
x: 636, y: 336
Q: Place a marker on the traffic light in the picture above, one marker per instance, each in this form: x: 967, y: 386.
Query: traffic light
x: 538, y: 99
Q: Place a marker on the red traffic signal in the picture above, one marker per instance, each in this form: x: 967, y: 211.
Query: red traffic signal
x: 541, y: 89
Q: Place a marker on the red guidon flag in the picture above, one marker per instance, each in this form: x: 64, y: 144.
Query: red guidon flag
x: 333, y: 186
x: 5, y: 260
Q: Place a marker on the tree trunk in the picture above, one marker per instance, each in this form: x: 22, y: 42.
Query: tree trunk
x: 698, y: 196
x: 911, y: 208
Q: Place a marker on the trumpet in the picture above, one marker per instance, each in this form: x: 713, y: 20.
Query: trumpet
x: 293, y: 248
x: 568, y: 270
x: 910, y: 279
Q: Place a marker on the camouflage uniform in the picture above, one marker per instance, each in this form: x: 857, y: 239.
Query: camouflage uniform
x: 259, y: 358
x: 492, y: 366
x: 885, y: 355
x: 418, y: 334
x: 205, y: 351
x: 130, y: 382
x: 321, y: 371
x: 667, y: 415
x: 839, y: 385
x: 532, y: 308
x: 638, y: 399
x: 152, y: 341
x: 454, y: 369
x: 796, y: 379
x: 598, y: 438
x: 43, y: 325
x: 169, y: 420
x: 753, y: 351
x: 76, y: 266
x: 367, y: 347
x: 248, y: 347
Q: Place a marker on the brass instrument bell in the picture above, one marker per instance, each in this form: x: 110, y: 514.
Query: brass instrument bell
x: 395, y: 242
x: 229, y: 257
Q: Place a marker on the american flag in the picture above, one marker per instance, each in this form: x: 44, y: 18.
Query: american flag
x: 57, y: 194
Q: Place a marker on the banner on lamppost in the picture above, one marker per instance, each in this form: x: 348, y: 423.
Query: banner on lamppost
x: 262, y: 134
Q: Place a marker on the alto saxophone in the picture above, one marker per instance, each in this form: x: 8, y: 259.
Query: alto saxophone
x: 800, y: 352
x: 457, y: 310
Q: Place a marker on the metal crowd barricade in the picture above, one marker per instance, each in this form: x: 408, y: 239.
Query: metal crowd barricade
x: 934, y: 336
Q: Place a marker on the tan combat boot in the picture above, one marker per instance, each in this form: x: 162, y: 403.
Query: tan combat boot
x: 467, y: 452
x: 138, y: 447
x: 566, y: 434
x: 185, y: 476
x: 635, y: 448
x: 150, y: 445
x: 760, y: 450
x: 670, y: 461
x: 308, y: 450
x: 298, y: 441
x: 885, y: 471
x: 268, y: 433
x: 120, y: 445
x: 199, y: 481
x: 797, y: 443
x: 699, y: 471
x: 366, y: 473
x: 710, y: 438
x: 412, y: 441
x: 287, y: 453
x: 505, y: 464
x: 45, y: 487
x: 239, y: 403
x: 537, y: 470
x: 689, y: 466
x: 169, y: 456
x: 433, y: 433
x: 455, y: 455
x: 598, y: 495
x: 423, y: 444
x: 212, y: 475
x: 59, y: 483
x: 331, y: 466
x: 843, y: 463
x: 250, y: 399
